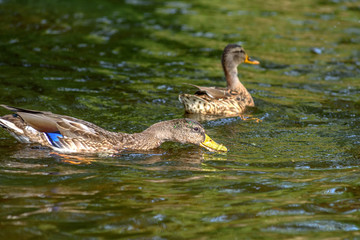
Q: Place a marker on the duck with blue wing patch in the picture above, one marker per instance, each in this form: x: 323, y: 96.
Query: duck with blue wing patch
x: 67, y: 134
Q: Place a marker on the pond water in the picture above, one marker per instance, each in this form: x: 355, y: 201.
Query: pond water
x: 122, y: 64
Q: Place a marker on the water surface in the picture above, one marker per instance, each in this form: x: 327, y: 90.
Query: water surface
x: 122, y: 64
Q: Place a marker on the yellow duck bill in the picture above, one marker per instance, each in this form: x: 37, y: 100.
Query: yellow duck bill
x: 211, y: 145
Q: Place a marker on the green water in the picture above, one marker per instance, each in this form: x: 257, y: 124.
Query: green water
x: 122, y: 64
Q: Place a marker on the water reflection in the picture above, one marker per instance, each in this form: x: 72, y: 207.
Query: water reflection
x: 204, y: 118
x: 122, y: 65
x: 167, y: 159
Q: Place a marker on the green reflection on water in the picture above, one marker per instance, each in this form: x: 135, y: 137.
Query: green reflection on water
x: 122, y: 64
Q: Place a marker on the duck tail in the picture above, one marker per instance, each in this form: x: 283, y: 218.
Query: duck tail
x: 14, y: 126
x: 16, y: 109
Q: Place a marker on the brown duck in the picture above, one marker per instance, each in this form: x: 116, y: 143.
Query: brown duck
x: 66, y: 134
x: 228, y: 101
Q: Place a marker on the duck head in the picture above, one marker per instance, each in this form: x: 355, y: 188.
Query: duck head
x: 233, y: 55
x: 187, y: 131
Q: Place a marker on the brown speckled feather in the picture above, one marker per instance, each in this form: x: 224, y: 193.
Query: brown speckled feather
x: 229, y: 101
x: 203, y: 104
x: 71, y: 135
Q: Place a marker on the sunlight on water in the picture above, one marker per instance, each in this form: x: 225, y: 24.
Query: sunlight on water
x: 292, y: 166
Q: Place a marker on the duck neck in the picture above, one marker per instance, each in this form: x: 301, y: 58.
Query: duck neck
x: 235, y: 86
x: 137, y: 141
x: 150, y: 138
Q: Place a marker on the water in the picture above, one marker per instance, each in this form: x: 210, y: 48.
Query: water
x: 122, y: 64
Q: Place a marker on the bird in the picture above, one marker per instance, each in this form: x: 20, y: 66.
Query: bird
x: 67, y: 135
x: 229, y: 101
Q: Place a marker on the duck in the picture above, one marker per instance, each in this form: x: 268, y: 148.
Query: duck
x: 229, y: 101
x: 65, y: 134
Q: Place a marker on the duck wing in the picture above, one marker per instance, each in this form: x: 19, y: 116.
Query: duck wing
x: 48, y: 122
x: 212, y: 92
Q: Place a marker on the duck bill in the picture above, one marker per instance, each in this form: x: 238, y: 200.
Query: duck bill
x: 250, y: 61
x: 211, y: 145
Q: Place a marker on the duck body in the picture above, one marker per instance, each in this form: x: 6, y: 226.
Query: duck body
x: 225, y: 103
x: 66, y: 134
x: 228, y: 101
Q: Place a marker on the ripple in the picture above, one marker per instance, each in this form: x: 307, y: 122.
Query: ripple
x: 67, y: 89
x: 204, y: 34
x: 239, y: 13
x: 314, y: 226
x: 218, y: 219
x: 55, y: 78
x: 317, y: 50
x: 273, y: 212
x: 138, y: 2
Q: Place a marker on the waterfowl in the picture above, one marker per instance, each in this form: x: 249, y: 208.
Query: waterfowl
x: 66, y: 134
x: 228, y: 101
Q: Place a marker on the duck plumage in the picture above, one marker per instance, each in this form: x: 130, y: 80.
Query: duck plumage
x: 228, y: 101
x: 67, y: 134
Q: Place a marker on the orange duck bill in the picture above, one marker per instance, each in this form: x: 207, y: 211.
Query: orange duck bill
x: 250, y: 61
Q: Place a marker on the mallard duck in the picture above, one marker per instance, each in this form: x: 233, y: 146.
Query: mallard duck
x: 228, y: 101
x: 66, y: 134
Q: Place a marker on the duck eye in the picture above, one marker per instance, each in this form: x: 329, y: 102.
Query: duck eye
x: 196, y: 129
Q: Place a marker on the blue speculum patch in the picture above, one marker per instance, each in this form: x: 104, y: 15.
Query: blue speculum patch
x: 54, y: 138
